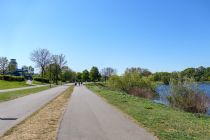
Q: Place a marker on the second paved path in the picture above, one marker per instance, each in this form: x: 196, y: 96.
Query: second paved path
x: 88, y: 117
x: 12, y: 112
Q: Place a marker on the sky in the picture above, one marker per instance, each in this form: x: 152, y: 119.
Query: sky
x: 161, y: 35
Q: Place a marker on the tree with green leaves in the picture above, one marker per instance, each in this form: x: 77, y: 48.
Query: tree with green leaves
x: 28, y: 70
x: 68, y: 75
x: 79, y: 76
x: 94, y: 74
x: 58, y: 62
x: 85, y: 76
x: 141, y: 71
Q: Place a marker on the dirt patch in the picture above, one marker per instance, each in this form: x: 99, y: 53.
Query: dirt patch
x: 43, y: 124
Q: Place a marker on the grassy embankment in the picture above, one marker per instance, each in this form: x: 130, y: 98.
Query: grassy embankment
x: 165, y: 122
x: 43, y: 124
x: 5, y: 96
x: 12, y: 84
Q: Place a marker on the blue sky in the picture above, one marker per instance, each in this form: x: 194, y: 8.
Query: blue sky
x: 161, y: 35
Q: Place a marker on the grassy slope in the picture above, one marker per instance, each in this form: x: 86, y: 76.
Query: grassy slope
x: 165, y: 122
x: 14, y: 84
x: 16, y: 94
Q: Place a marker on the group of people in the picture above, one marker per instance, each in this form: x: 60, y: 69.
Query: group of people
x: 78, y: 83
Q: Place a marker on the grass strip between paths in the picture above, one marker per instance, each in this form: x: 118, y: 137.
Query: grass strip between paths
x: 43, y: 124
x: 5, y: 96
x: 165, y: 122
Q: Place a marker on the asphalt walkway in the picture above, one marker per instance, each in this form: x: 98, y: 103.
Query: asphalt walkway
x: 88, y: 117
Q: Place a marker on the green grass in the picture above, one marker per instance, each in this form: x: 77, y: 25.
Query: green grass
x: 38, y: 83
x: 165, y: 122
x: 12, y: 84
x: 20, y: 93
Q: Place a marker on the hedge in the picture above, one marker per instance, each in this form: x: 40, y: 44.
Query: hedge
x: 12, y: 78
x: 39, y: 79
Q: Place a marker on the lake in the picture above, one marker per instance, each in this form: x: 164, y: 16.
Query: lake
x: 163, y: 91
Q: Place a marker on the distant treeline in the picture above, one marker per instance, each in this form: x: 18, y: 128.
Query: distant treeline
x: 184, y: 90
x: 200, y: 74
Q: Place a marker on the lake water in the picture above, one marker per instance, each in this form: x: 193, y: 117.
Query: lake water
x: 163, y: 91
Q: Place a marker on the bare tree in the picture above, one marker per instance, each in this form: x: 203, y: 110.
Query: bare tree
x: 42, y: 58
x: 3, y: 65
x: 107, y: 72
x: 62, y: 62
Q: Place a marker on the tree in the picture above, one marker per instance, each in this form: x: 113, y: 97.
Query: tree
x: 58, y: 62
x: 3, y: 65
x: 157, y: 76
x: 28, y: 70
x: 200, y: 73
x: 164, y: 76
x: 141, y: 71
x: 94, y: 74
x: 61, y: 60
x: 68, y: 74
x: 54, y: 72
x: 79, y: 76
x: 85, y: 76
x: 107, y: 72
x: 189, y: 72
x: 42, y: 58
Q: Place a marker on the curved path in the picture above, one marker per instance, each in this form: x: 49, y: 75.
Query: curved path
x: 14, y: 111
x: 88, y: 117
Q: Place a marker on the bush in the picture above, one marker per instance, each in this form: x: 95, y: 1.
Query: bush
x: 12, y: 78
x: 133, y: 84
x: 18, y: 78
x: 187, y: 96
x: 115, y: 82
x: 1, y: 77
x: 166, y: 80
x: 43, y: 80
x: 142, y: 92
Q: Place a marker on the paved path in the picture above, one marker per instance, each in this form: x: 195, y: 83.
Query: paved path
x: 14, y: 89
x: 21, y: 108
x: 88, y: 117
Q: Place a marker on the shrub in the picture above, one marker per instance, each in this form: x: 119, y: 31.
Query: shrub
x: 18, y: 78
x: 1, y: 77
x: 187, y: 96
x: 166, y: 80
x: 208, y: 78
x: 12, y: 78
x: 133, y: 84
x: 115, y: 82
x: 43, y: 80
x: 142, y: 92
